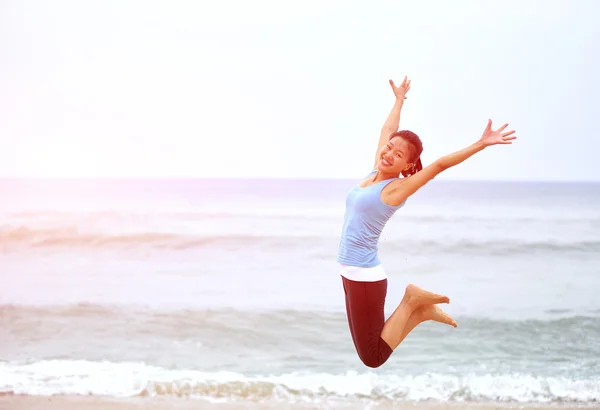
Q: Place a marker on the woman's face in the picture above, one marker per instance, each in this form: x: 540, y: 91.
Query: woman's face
x: 395, y: 156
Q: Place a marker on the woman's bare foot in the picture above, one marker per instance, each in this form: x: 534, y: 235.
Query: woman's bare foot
x: 432, y: 312
x: 417, y: 296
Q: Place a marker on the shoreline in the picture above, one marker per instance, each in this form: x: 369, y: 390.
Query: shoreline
x: 22, y: 402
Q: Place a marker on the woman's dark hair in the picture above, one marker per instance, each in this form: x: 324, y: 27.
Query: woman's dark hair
x: 417, y: 148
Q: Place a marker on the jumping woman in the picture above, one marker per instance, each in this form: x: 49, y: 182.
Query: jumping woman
x: 369, y: 205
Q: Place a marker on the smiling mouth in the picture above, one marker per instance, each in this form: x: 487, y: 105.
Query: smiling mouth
x: 385, y: 162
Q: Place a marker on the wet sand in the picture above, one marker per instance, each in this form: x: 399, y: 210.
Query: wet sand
x: 107, y: 403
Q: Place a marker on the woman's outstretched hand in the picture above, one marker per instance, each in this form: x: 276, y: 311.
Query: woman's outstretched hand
x: 491, y: 137
x: 401, y: 90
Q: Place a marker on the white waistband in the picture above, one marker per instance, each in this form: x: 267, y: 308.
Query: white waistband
x: 359, y: 274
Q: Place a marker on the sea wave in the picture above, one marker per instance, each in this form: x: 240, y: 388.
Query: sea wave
x: 240, y: 325
x: 85, y: 309
x: 125, y: 379
x: 318, y: 213
x: 71, y: 237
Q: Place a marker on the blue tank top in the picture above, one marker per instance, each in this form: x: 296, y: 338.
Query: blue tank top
x: 366, y: 215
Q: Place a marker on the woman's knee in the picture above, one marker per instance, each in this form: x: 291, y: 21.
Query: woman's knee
x: 372, y: 361
x: 375, y: 358
x: 374, y: 353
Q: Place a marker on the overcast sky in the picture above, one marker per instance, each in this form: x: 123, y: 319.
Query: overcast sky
x: 276, y: 88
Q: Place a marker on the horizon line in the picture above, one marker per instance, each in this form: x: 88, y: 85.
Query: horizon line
x: 297, y: 178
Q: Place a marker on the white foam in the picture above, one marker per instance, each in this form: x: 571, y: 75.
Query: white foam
x: 72, y: 377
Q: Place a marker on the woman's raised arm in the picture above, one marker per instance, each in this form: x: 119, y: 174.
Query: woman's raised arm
x: 393, y: 120
x: 399, y: 191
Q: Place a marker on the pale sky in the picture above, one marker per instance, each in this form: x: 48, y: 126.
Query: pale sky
x: 275, y: 88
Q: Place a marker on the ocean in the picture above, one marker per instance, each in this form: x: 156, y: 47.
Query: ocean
x: 228, y: 291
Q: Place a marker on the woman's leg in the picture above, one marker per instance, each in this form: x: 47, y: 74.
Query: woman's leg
x: 399, y: 324
x: 423, y: 314
x: 373, y: 337
x: 365, y: 302
x: 348, y: 311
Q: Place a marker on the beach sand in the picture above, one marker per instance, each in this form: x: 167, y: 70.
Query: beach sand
x: 107, y: 403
